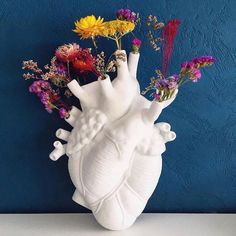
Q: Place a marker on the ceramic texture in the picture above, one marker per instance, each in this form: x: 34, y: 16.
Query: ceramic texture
x: 114, y: 148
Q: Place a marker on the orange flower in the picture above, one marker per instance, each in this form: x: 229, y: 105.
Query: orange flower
x: 82, y: 66
x: 84, y: 62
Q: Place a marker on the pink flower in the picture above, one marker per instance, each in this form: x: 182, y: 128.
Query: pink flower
x: 203, y: 61
x: 195, y: 75
x: 46, y: 100
x: 38, y: 86
x: 157, y: 97
x: 67, y: 52
x: 63, y: 113
x: 136, y: 42
x: 188, y: 65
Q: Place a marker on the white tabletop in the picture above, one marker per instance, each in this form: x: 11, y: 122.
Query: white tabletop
x: 146, y: 225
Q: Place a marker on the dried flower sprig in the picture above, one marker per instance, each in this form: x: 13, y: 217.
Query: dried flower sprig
x: 31, y: 65
x: 55, y: 72
x: 104, y: 67
x: 28, y: 75
x: 154, y: 25
x: 151, y: 87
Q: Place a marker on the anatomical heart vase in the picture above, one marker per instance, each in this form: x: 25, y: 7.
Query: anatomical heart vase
x: 114, y: 147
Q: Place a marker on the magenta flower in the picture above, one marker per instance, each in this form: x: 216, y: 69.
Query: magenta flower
x: 38, y: 86
x: 157, y: 97
x: 191, y: 69
x: 49, y: 97
x: 197, y: 63
x: 203, y: 61
x: 195, y: 75
x: 187, y: 66
x: 63, y: 113
x: 136, y: 43
x: 45, y: 99
x: 126, y: 14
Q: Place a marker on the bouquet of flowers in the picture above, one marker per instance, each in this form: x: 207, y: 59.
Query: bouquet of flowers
x: 73, y: 62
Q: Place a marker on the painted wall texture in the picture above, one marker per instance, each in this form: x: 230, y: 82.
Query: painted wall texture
x: 199, y: 170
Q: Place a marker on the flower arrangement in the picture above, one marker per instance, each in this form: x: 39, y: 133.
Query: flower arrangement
x: 73, y: 62
x: 190, y: 71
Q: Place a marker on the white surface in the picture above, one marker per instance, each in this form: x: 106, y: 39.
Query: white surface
x: 147, y: 225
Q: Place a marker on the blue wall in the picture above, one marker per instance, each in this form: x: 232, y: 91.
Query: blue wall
x: 199, y: 171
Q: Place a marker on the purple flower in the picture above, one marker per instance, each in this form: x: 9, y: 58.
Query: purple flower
x: 38, y: 86
x: 50, y: 98
x: 174, y: 78
x: 126, y: 14
x: 161, y: 84
x: 172, y: 85
x: 63, y: 112
x: 61, y: 68
x: 45, y: 99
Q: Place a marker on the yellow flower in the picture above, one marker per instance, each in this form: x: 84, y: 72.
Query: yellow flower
x: 116, y: 28
x: 89, y: 27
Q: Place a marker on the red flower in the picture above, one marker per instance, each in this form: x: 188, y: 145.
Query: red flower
x: 84, y: 61
x: 168, y: 35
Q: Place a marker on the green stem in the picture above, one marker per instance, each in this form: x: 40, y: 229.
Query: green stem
x: 94, y: 43
x: 119, y: 41
x: 68, y: 69
x: 117, y: 44
x: 182, y: 82
x: 109, y: 59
